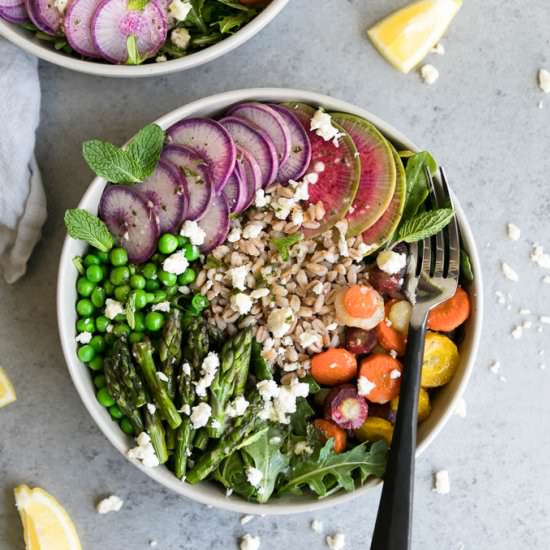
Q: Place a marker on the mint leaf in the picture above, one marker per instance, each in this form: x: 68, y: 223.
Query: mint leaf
x: 284, y: 243
x: 424, y: 225
x: 77, y: 262
x: 138, y: 5
x: 83, y: 226
x: 145, y: 149
x: 417, y: 185
x: 133, y: 53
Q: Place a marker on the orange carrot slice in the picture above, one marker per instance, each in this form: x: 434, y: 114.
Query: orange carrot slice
x: 451, y: 313
x: 330, y: 430
x: 383, y: 372
x: 361, y: 301
x: 334, y: 366
x: 389, y: 338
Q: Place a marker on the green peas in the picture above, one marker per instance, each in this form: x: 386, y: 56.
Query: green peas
x: 100, y: 381
x: 122, y: 292
x: 168, y: 279
x: 168, y: 243
x: 121, y: 329
x: 154, y: 321
x: 91, y: 259
x: 192, y: 252
x: 94, y: 273
x: 119, y: 275
x: 149, y: 271
x: 135, y: 337
x: 126, y: 426
x: 86, y: 353
x: 137, y: 281
x: 171, y: 291
x: 84, y: 287
x: 98, y: 297
x: 182, y: 241
x: 159, y: 296
x: 150, y: 297
x: 109, y: 288
x: 105, y: 398
x: 139, y: 318
x: 115, y: 412
x: 157, y: 258
x: 152, y: 285
x: 96, y: 363
x: 98, y: 343
x: 101, y: 323
x: 85, y: 325
x: 187, y: 277
x: 118, y: 257
x: 103, y: 256
x: 84, y: 307
x: 140, y: 299
x: 199, y: 302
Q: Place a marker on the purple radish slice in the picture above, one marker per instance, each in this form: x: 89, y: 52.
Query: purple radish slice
x: 270, y: 121
x: 14, y: 14
x: 251, y: 176
x: 257, y: 143
x: 195, y: 171
x: 233, y: 191
x: 300, y: 148
x: 126, y: 214
x: 215, y: 223
x: 78, y: 27
x: 113, y: 23
x: 44, y: 15
x: 10, y: 3
x: 165, y: 192
x: 212, y: 141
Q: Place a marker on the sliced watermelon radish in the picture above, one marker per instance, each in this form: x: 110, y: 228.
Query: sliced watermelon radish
x: 78, y: 26
x: 210, y: 140
x: 384, y: 228
x: 215, y: 223
x: 341, y: 169
x: 165, y: 192
x: 14, y: 14
x: 113, y: 23
x: 130, y: 221
x: 257, y: 143
x: 251, y: 175
x: 300, y: 148
x: 378, y: 173
x: 44, y: 16
x: 195, y: 171
x: 235, y: 191
x: 270, y: 121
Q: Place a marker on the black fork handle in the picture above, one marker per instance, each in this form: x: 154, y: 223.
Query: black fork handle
x: 392, y: 530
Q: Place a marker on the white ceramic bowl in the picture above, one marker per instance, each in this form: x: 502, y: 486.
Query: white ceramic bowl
x: 206, y: 493
x: 26, y: 41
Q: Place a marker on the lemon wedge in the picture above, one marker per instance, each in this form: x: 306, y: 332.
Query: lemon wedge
x: 406, y: 36
x: 7, y: 391
x: 46, y: 524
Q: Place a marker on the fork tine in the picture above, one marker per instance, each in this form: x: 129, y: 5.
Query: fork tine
x: 452, y: 231
x: 437, y: 202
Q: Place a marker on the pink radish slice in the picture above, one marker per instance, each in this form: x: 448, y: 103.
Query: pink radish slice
x: 215, y: 223
x: 270, y: 121
x: 300, y: 148
x: 44, y: 15
x: 166, y: 194
x: 14, y: 14
x: 233, y: 191
x: 195, y: 171
x: 257, y: 143
x: 113, y: 23
x: 78, y: 22
x: 10, y: 3
x: 130, y: 221
x: 251, y: 175
x: 212, y: 141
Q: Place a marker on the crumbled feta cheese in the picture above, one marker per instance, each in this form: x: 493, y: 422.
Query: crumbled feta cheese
x: 309, y: 338
x: 238, y: 276
x: 151, y: 408
x: 393, y: 353
x: 200, y: 414
x: 513, y: 231
x: 429, y: 73
x: 317, y: 526
x: 542, y: 366
x: 61, y: 5
x: 332, y: 326
x: 185, y: 409
x: 321, y: 124
x: 394, y: 374
x: 248, y: 542
x: 539, y: 257
x: 363, y: 249
x: 297, y: 216
x: 501, y: 298
x: 228, y: 492
x: 319, y: 167
x: 391, y: 262
x: 179, y: 9
x: 508, y: 272
x: 291, y: 367
x: 176, y: 263
x: 279, y: 321
x: 109, y: 504
x: 144, y: 452
x: 284, y: 403
x: 312, y: 178
x: 545, y: 319
x: 318, y: 288
x: 438, y: 49
x: 527, y: 324
x: 180, y: 37
x: 494, y: 367
x: 524, y: 311
x: 246, y: 519
x: 162, y: 377
x: 184, y: 290
x: 237, y: 407
x: 442, y: 483
x: 209, y: 368
x: 259, y: 293
x: 192, y: 230
x: 234, y: 235
x: 460, y: 409
x: 364, y: 386
x: 546, y: 279
x: 153, y: 543
x: 261, y: 199
x: 517, y: 333
x: 161, y: 306
x: 252, y: 230
x: 83, y: 338
x: 241, y: 302
x: 544, y: 80
x: 268, y: 389
x: 301, y: 188
x: 186, y: 369
x: 336, y: 542
x: 113, y: 308
x: 254, y: 476
x: 302, y: 448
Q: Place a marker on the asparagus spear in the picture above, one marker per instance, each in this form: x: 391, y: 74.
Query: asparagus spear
x: 143, y: 353
x: 154, y: 428
x: 170, y: 349
x: 124, y: 383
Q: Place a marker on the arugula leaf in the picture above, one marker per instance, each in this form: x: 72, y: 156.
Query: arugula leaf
x: 283, y: 244
x: 133, y: 53
x: 424, y: 225
x: 131, y: 310
x: 83, y: 226
x: 466, y: 269
x: 231, y: 474
x: 328, y: 472
x: 195, y: 16
x: 236, y: 5
x: 417, y: 185
x: 299, y: 420
x: 230, y: 23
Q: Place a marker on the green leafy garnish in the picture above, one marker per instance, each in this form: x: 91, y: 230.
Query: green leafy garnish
x: 83, y: 226
x: 77, y: 262
x: 466, y: 269
x: 283, y: 244
x: 424, y: 225
x: 212, y: 263
x: 133, y: 53
x: 138, y: 5
x: 131, y: 165
x: 417, y: 184
x: 230, y: 23
x: 299, y: 421
x: 131, y: 310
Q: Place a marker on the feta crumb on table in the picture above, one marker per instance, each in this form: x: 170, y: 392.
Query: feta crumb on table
x: 460, y: 409
x: 429, y: 73
x: 153, y: 543
x: 249, y: 542
x: 517, y: 332
x: 539, y: 257
x: 438, y: 49
x: 336, y: 542
x: 246, y: 519
x: 544, y: 319
x: 317, y: 526
x: 544, y: 80
x: 508, y: 272
x: 546, y: 279
x: 513, y: 231
x: 109, y: 504
x: 442, y: 482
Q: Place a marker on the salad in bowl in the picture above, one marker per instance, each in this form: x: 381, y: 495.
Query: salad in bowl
x: 240, y: 301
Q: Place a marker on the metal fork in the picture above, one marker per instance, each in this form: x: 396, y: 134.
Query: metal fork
x: 432, y: 277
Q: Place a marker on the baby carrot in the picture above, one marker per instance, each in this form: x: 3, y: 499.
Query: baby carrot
x: 451, y: 313
x: 383, y: 377
x: 334, y: 366
x: 330, y: 430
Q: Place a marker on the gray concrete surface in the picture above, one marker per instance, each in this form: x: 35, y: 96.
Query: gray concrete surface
x: 481, y: 120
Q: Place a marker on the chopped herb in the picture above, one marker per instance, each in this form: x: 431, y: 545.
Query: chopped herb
x: 283, y: 244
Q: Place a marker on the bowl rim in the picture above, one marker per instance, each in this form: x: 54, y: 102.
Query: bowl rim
x: 112, y: 431
x: 42, y: 51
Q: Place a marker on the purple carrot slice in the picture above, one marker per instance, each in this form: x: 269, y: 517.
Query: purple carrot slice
x: 195, y: 170
x: 165, y: 192
x: 300, y: 148
x: 14, y: 14
x: 234, y: 190
x: 209, y: 139
x: 251, y: 174
x: 130, y: 221
x: 270, y: 121
x: 113, y: 23
x: 257, y: 143
x: 44, y: 16
x: 78, y: 27
x: 215, y: 223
